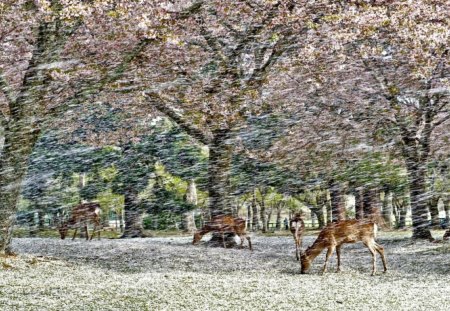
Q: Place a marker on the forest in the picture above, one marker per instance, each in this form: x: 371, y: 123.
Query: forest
x: 149, y: 122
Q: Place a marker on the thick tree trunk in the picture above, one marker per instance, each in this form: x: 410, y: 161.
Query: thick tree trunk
x: 23, y: 128
x: 19, y: 141
x: 418, y: 193
x: 219, y: 165
x: 219, y: 190
x: 337, y: 204
x: 133, y: 217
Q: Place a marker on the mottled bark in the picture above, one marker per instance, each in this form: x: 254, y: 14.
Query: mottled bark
x: 133, y: 216
x: 337, y: 204
x: 418, y: 192
x: 220, y: 154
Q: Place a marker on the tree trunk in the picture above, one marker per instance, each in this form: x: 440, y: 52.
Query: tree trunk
x: 434, y: 211
x: 188, y: 221
x: 249, y: 216
x: 219, y: 165
x: 337, y: 206
x: 269, y: 217
x: 359, y: 203
x: 19, y: 142
x: 401, y: 208
x: 23, y: 128
x: 278, y: 221
x: 447, y: 217
x: 328, y: 209
x: 318, y: 211
x: 133, y: 217
x: 41, y: 222
x: 262, y: 210
x: 387, y: 208
x: 255, y: 220
x: 418, y: 192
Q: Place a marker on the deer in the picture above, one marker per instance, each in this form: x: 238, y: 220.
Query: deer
x: 82, y: 214
x: 223, y: 224
x: 297, y: 227
x: 333, y: 236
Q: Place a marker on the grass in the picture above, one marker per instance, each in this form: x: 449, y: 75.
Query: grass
x: 168, y: 273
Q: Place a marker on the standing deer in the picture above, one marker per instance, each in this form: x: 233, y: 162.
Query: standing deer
x: 81, y: 215
x: 224, y: 224
x: 297, y: 227
x: 335, y: 235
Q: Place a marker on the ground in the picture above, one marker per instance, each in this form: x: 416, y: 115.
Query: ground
x: 168, y: 273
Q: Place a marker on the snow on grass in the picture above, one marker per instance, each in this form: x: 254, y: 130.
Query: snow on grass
x: 171, y: 274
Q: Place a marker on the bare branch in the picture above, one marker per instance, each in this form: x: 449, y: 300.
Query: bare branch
x: 163, y: 106
x: 89, y: 88
x: 439, y: 122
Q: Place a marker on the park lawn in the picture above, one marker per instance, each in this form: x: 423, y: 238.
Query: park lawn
x: 168, y: 273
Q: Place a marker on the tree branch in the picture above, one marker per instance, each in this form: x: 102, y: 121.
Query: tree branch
x: 90, y: 88
x: 162, y: 106
x: 439, y: 122
x: 5, y: 89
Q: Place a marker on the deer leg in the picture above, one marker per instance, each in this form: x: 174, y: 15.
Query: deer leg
x: 380, y: 250
x: 249, y: 243
x: 374, y: 256
x: 329, y: 252
x: 75, y: 233
x: 338, y: 254
x: 87, y: 232
x: 223, y: 240
x: 297, y: 253
x: 241, y: 236
x: 93, y: 232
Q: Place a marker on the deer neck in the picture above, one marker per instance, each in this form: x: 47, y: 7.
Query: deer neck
x: 314, y: 250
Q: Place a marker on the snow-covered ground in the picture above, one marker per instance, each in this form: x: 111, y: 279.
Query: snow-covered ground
x: 171, y: 274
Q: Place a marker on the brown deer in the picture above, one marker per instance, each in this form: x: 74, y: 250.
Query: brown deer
x: 297, y: 227
x: 333, y: 236
x: 224, y: 224
x: 81, y: 215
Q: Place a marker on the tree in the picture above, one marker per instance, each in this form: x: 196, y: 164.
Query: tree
x: 50, y: 64
x: 224, y: 54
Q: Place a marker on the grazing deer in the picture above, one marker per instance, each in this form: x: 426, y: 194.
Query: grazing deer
x: 334, y: 235
x: 81, y: 215
x: 223, y: 224
x: 297, y: 227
